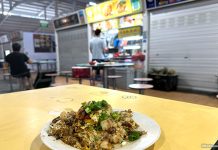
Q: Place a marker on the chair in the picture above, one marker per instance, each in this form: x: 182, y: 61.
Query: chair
x: 5, y: 75
x: 66, y: 74
x: 81, y: 73
x: 43, y: 81
x: 140, y: 87
x: 21, y: 82
x: 5, y: 70
x: 53, y: 76
x: 113, y: 79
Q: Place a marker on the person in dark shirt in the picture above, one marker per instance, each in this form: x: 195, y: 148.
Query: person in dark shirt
x: 17, y: 62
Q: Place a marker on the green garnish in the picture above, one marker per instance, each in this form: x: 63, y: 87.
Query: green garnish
x: 103, y: 117
x: 94, y: 106
x: 115, y: 115
x: 98, y: 127
x: 83, y: 104
x: 88, y: 110
x: 134, y: 135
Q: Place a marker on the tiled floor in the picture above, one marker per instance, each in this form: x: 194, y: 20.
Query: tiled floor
x: 196, y: 98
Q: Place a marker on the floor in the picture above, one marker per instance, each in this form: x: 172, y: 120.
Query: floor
x: 190, y: 97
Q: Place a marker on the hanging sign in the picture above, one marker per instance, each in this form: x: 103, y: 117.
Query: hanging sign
x: 4, y: 39
x: 72, y: 20
x: 131, y: 20
x: 106, y: 25
x: 159, y: 3
x: 43, y: 23
x: 112, y: 9
x: 132, y: 31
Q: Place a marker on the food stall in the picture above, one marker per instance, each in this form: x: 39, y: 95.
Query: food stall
x: 121, y: 23
x: 71, y: 40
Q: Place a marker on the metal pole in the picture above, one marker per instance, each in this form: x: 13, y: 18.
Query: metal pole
x: 2, y: 2
x: 45, y: 13
x: 74, y: 5
x: 148, y: 41
x: 56, y: 8
x: 3, y: 53
x: 10, y: 4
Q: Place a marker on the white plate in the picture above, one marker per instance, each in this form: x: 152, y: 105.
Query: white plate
x: 145, y: 141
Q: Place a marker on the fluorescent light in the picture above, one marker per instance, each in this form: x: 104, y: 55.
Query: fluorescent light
x: 113, y: 31
x: 6, y: 13
x: 92, y: 3
x: 132, y: 47
x: 132, y: 38
x: 7, y: 52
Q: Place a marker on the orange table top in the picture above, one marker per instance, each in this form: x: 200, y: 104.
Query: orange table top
x: 184, y: 126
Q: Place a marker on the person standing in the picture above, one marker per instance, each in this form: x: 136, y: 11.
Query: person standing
x: 97, y: 48
x: 18, y: 68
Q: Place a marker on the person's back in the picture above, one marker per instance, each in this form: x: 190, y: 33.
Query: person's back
x: 17, y: 62
x: 97, y: 48
x: 97, y: 45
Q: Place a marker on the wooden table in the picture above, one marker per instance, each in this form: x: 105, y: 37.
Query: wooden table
x: 23, y: 114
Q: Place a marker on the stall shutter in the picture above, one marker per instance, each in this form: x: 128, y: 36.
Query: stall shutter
x: 185, y: 38
x: 73, y: 47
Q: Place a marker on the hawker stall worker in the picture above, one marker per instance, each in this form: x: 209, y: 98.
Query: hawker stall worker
x: 18, y: 68
x: 97, y: 48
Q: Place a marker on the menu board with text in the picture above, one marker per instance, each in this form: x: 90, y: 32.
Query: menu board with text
x: 43, y: 43
x: 131, y: 31
x: 106, y: 25
x: 112, y: 9
x: 130, y: 21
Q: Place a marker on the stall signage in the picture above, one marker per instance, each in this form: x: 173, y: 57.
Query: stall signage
x: 130, y: 21
x: 75, y: 19
x: 106, y: 25
x: 16, y: 36
x: 132, y: 31
x: 43, y: 23
x: 4, y: 39
x: 158, y: 3
x: 150, y: 3
x: 67, y: 21
x: 112, y: 9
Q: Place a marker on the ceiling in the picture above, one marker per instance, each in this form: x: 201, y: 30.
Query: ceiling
x: 24, y: 15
